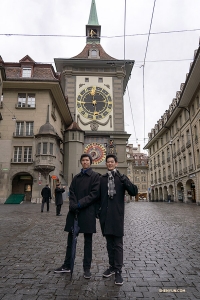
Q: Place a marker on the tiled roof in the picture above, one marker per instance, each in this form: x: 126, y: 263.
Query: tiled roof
x: 85, y: 52
x: 74, y: 127
x: 40, y: 71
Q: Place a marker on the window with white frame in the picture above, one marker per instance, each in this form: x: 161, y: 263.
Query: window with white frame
x: 17, y: 154
x: 22, y: 154
x: 26, y: 100
x: 27, y: 154
x: 26, y: 72
x: 20, y: 126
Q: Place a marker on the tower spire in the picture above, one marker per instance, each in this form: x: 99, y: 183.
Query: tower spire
x: 93, y: 29
x: 93, y: 19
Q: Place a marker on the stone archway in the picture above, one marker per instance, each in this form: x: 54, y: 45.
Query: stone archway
x: 152, y: 194
x: 156, y: 194
x: 22, y: 184
x: 190, y: 191
x: 160, y: 194
x: 171, y: 193
x: 180, y: 192
x: 165, y: 193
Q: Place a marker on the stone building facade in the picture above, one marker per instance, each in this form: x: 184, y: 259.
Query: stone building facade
x: 174, y: 144
x: 34, y: 115
x: 137, y: 170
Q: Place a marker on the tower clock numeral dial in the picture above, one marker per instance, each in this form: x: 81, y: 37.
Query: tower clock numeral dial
x: 94, y: 103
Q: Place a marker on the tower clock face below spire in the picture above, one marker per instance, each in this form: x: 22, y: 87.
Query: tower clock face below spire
x: 94, y: 103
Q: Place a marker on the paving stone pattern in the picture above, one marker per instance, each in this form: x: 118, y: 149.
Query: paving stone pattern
x: 161, y: 255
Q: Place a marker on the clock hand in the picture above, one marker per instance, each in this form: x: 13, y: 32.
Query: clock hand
x: 93, y: 91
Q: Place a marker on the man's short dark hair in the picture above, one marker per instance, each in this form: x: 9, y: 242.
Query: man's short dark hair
x: 57, y: 184
x: 111, y: 156
x: 86, y: 155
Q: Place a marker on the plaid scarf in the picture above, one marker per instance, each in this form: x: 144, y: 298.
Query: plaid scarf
x: 111, y: 184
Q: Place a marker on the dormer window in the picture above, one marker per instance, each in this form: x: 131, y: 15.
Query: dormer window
x: 26, y: 72
x: 94, y: 53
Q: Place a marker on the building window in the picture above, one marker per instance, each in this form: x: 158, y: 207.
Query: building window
x: 20, y: 129
x: 27, y: 154
x: 31, y: 100
x: 17, y: 154
x: 51, y: 149
x: 100, y: 80
x: 26, y: 100
x: 94, y: 53
x: 86, y: 79
x: 44, y: 148
x: 26, y: 72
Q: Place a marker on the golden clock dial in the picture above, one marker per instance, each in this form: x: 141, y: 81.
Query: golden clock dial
x: 97, y: 151
x: 94, y: 103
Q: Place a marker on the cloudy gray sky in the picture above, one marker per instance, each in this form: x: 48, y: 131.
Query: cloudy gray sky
x: 168, y: 56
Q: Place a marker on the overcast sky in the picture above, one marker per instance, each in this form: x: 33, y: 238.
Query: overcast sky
x: 168, y: 55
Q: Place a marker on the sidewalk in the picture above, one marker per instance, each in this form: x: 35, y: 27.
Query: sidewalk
x: 161, y: 255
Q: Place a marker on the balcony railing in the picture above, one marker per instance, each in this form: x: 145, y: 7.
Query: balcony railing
x: 183, y: 148
x: 191, y: 167
x: 185, y: 170
x: 169, y: 177
x: 188, y: 144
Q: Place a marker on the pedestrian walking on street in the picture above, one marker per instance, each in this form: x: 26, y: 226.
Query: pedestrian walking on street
x: 111, y: 214
x: 46, y: 196
x: 59, y: 198
x: 83, y: 195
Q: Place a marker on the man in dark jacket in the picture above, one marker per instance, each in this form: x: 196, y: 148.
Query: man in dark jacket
x: 59, y: 198
x: 112, y: 191
x: 83, y: 194
x: 46, y: 196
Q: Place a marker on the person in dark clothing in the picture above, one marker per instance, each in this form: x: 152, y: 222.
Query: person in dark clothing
x: 46, y: 196
x: 59, y: 198
x: 83, y: 194
x: 111, y: 214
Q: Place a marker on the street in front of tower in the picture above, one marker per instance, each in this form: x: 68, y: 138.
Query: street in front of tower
x: 161, y: 254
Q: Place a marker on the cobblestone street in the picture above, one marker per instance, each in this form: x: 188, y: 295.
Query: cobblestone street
x: 161, y: 254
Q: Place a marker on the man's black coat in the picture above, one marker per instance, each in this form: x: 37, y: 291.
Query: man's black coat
x: 46, y: 194
x: 112, y: 210
x: 85, y: 190
x: 58, y: 195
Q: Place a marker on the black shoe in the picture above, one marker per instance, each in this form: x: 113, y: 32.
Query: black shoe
x: 62, y: 269
x: 59, y: 215
x: 41, y: 210
x: 87, y: 274
x: 118, y: 278
x: 109, y: 272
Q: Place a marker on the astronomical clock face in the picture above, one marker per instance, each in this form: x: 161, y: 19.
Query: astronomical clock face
x: 94, y: 103
x: 97, y: 151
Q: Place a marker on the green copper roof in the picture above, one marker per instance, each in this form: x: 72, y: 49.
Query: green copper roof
x: 93, y: 19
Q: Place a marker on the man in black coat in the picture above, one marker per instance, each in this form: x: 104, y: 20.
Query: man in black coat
x: 112, y: 192
x: 46, y: 196
x: 83, y: 194
x: 59, y: 198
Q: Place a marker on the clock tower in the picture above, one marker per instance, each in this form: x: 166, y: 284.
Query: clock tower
x: 94, y: 84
